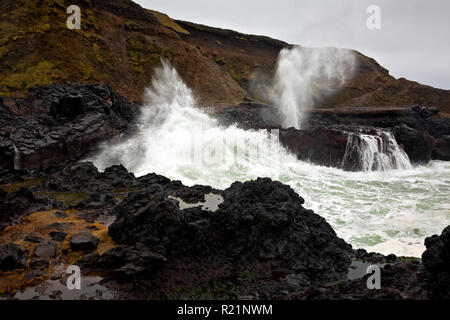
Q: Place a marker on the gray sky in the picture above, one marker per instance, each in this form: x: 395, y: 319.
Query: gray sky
x: 414, y: 40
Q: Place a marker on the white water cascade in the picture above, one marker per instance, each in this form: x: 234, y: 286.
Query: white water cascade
x: 17, y: 158
x: 373, y: 152
x: 383, y: 211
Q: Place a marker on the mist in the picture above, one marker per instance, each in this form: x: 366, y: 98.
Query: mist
x: 305, y: 77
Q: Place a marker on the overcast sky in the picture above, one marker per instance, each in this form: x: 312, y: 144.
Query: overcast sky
x: 413, y: 42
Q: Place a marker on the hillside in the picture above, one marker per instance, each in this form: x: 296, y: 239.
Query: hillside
x: 120, y: 44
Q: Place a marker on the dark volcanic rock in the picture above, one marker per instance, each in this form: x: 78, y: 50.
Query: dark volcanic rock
x: 400, y: 281
x: 442, y: 150
x: 418, y: 145
x: 11, y: 257
x: 58, y: 123
x: 250, y: 115
x: 437, y: 261
x: 83, y: 241
x: 61, y: 226
x: 324, y: 146
x: 323, y: 139
x: 58, y: 236
x: 264, y: 219
x: 84, y: 177
x: 45, y: 250
x: 34, y: 239
x: 15, y: 205
x: 259, y: 222
x: 60, y: 214
x: 39, y: 263
x: 34, y: 274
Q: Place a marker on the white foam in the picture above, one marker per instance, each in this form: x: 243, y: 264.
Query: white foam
x: 389, y: 211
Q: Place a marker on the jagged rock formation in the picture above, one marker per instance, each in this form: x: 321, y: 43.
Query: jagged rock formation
x: 437, y: 261
x: 58, y: 123
x: 406, y: 280
x: 326, y: 138
x: 258, y: 222
x: 259, y: 243
x: 259, y: 227
x: 67, y: 122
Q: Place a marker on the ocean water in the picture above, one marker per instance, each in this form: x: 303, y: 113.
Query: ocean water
x: 387, y: 211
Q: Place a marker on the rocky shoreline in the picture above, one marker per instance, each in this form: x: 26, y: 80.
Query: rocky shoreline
x: 133, y: 236
x: 67, y: 122
x: 422, y: 134
x: 153, y: 238
x: 59, y: 123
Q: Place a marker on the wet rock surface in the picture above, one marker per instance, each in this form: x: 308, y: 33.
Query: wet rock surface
x: 437, y: 260
x: 323, y: 140
x: 45, y: 250
x: 411, y: 280
x: 11, y: 257
x: 83, y: 241
x: 58, y: 123
x: 260, y: 243
x: 258, y: 221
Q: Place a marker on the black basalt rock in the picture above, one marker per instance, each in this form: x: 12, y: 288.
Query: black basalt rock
x: 418, y: 145
x: 437, y: 261
x: 259, y: 222
x: 265, y: 220
x: 84, y: 241
x: 11, y: 257
x: 58, y: 123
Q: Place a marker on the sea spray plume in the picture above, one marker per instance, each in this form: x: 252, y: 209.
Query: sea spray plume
x: 341, y: 197
x: 167, y: 96
x: 305, y: 77
x: 179, y: 140
x: 168, y: 93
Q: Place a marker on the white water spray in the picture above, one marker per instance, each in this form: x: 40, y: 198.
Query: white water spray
x: 388, y: 212
x: 17, y: 158
x: 175, y: 138
x: 305, y: 77
x: 372, y: 152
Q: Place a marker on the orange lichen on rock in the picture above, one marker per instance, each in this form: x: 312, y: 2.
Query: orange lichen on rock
x: 41, y: 224
x: 11, y: 187
x: 12, y: 281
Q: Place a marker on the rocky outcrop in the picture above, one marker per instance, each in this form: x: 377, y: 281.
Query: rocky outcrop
x: 437, y: 261
x: 418, y: 145
x: 410, y: 280
x: 259, y: 243
x: 323, y: 146
x: 15, y: 205
x: 59, y: 123
x: 442, y: 150
x: 11, y: 257
x: 260, y: 225
x: 325, y: 137
x: 83, y: 241
x: 85, y: 177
